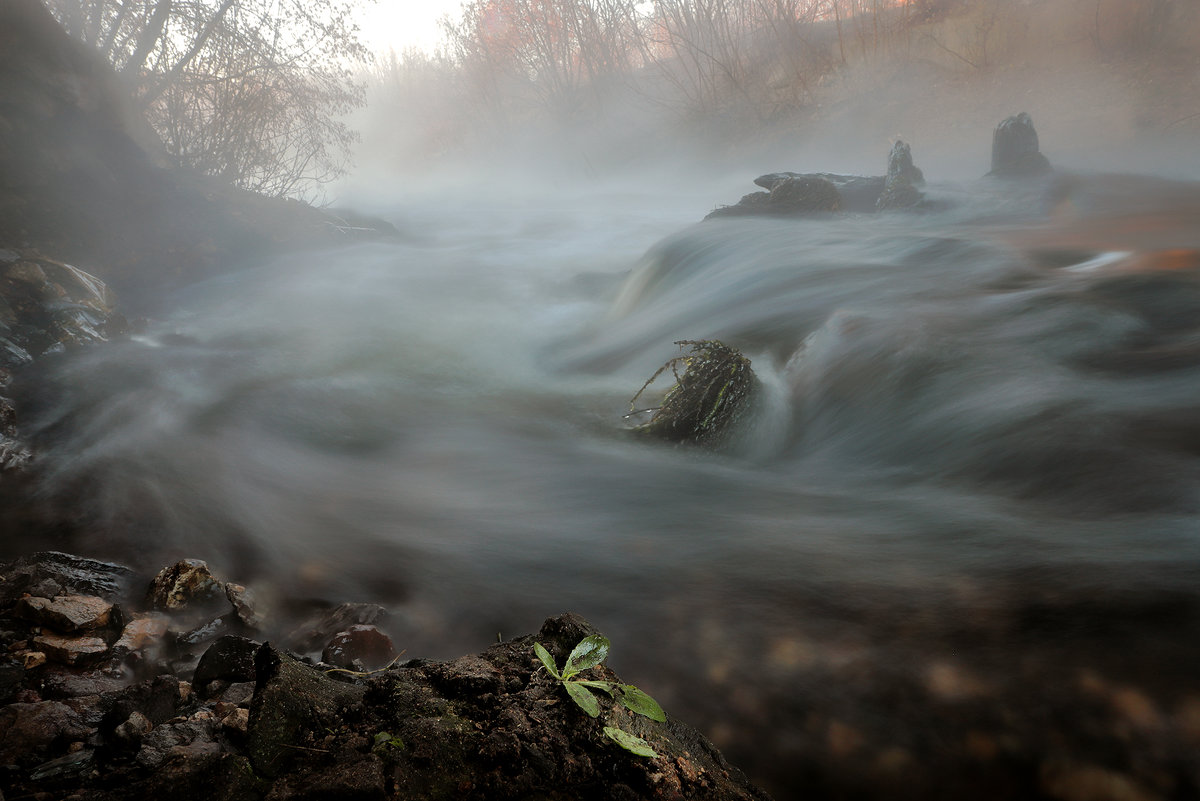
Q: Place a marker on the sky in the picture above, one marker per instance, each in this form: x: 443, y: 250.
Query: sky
x: 399, y: 24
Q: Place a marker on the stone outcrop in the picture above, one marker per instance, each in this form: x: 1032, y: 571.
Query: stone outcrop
x: 903, y: 177
x: 1015, y: 150
x: 794, y: 194
x: 151, y: 713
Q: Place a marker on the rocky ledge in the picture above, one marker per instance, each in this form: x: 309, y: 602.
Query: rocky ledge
x: 112, y: 693
x: 1015, y: 155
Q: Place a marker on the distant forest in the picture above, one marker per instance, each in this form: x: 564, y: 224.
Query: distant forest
x: 731, y: 67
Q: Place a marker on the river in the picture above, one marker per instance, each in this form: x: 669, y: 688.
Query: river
x: 955, y: 554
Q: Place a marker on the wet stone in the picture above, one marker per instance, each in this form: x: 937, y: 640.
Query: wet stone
x: 71, y: 650
x: 64, y: 574
x: 366, y: 645
x: 25, y: 728
x: 142, y: 632
x: 245, y: 605
x: 230, y: 658
x: 133, y: 729
x: 314, y: 633
x: 183, y: 585
x: 68, y: 614
x: 62, y: 682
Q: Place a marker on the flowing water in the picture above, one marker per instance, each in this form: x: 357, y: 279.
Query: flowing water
x: 955, y: 551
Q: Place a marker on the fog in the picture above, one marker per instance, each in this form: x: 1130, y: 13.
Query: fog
x: 965, y: 508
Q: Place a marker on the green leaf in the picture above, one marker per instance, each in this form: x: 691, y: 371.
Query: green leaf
x: 630, y: 742
x: 583, y: 696
x: 590, y: 652
x: 547, y: 660
x: 603, y: 686
x: 637, y: 701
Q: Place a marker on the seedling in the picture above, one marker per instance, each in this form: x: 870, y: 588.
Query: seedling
x: 589, y: 653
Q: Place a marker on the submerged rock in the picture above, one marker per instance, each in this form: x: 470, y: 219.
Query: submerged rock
x: 1015, y: 149
x: 711, y: 394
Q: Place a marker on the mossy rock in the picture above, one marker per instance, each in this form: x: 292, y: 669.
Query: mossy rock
x: 710, y: 394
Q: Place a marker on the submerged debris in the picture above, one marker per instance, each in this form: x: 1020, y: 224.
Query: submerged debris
x: 711, y: 394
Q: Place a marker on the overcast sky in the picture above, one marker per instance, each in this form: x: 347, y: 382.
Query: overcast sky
x: 405, y: 23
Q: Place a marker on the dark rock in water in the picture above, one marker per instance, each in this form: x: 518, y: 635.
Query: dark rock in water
x: 789, y: 196
x: 900, y: 188
x: 1015, y: 150
x: 900, y: 165
x: 361, y: 645
x: 713, y: 392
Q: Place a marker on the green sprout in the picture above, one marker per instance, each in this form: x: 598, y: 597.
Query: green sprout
x: 589, y: 653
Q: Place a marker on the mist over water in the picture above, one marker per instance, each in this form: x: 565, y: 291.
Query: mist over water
x: 963, y: 420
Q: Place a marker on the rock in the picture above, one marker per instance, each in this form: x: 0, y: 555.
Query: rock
x: 292, y: 704
x: 711, y: 395
x: 71, y: 650
x: 159, y: 699
x: 67, y: 614
x: 68, y: 574
x: 133, y: 729
x: 314, y: 633
x: 238, y: 720
x: 900, y: 188
x: 244, y: 605
x: 184, y: 740
x: 186, y: 584
x: 230, y: 658
x: 900, y: 164
x: 28, y: 728
x: 66, y: 682
x: 1015, y: 149
x: 142, y: 633
x: 790, y: 195
x: 366, y: 645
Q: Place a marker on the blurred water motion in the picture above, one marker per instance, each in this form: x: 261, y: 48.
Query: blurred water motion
x: 957, y: 557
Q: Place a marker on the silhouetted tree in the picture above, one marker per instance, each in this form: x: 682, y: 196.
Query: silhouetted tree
x: 252, y: 90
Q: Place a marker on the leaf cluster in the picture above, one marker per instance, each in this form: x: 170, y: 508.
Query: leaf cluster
x: 590, y: 652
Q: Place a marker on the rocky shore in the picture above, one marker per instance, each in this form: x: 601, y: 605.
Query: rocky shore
x: 115, y: 688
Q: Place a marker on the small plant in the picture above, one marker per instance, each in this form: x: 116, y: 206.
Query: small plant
x: 589, y: 653
x: 385, y: 740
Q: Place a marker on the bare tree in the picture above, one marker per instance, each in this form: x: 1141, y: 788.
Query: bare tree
x: 253, y: 90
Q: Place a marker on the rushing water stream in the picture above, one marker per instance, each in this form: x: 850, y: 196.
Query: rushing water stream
x: 957, y: 551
